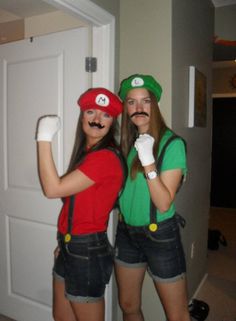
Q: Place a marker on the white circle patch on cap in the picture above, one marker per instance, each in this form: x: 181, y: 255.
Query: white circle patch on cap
x: 102, y: 100
x: 136, y: 82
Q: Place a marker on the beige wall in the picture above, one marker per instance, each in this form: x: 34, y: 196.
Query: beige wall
x: 225, y: 22
x: 12, y: 31
x: 193, y: 30
x: 37, y: 25
x: 110, y: 6
x: 145, y: 43
x: 50, y: 22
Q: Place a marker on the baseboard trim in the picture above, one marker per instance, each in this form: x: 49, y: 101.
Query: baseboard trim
x: 200, y: 285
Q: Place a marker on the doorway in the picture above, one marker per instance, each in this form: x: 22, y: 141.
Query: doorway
x: 223, y: 184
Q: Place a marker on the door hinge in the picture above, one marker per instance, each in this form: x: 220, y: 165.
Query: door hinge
x: 91, y: 64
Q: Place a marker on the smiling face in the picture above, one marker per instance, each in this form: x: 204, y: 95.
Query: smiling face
x: 96, y: 124
x: 138, y: 106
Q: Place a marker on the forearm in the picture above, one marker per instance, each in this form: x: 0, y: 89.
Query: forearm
x: 164, y: 187
x: 47, y: 170
x: 159, y: 193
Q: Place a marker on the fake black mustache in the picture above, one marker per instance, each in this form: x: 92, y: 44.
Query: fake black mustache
x: 139, y: 113
x: 93, y: 124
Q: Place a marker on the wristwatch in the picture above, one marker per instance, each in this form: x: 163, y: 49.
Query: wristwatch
x: 151, y: 175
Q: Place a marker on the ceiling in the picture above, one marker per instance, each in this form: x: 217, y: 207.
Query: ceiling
x: 20, y: 9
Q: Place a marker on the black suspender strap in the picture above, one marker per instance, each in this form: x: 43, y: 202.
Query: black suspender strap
x: 153, y: 218
x: 67, y: 237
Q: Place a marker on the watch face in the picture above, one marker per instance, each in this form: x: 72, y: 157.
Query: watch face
x: 152, y: 175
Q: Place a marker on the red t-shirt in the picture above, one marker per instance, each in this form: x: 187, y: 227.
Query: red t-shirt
x: 93, y: 205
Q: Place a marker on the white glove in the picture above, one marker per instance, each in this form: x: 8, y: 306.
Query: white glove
x: 47, y: 127
x: 144, y: 146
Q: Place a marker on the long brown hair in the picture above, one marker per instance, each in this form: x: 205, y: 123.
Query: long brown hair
x: 79, y: 149
x: 129, y: 132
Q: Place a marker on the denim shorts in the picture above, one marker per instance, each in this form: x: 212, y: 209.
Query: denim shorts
x: 85, y: 265
x: 161, y: 251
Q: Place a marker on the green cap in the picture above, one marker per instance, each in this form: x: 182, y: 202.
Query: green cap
x: 140, y: 81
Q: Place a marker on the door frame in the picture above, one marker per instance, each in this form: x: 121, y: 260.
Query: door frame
x: 103, y: 36
x: 103, y: 48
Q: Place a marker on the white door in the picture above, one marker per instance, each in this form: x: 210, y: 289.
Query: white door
x: 43, y: 76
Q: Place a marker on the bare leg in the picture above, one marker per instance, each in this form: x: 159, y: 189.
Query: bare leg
x: 89, y: 311
x: 62, y: 310
x: 173, y: 296
x: 130, y: 281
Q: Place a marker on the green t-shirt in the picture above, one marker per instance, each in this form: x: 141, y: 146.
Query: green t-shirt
x: 135, y: 198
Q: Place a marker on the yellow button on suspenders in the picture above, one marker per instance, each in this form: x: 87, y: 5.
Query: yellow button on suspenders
x: 153, y: 227
x: 67, y: 238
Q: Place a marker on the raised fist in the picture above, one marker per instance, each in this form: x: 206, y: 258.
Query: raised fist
x: 144, y: 146
x: 47, y: 127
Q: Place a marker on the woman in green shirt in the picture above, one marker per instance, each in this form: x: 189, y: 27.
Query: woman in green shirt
x: 148, y: 235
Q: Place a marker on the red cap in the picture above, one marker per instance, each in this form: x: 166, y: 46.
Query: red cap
x: 102, y: 99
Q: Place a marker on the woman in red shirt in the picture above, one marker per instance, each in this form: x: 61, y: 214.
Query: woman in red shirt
x: 89, y: 189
